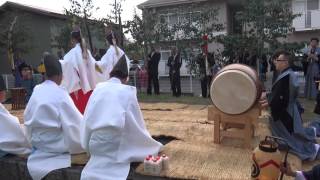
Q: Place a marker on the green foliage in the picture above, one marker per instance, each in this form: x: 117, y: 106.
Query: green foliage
x: 192, y: 22
x: 116, y: 18
x: 20, y: 36
x: 136, y: 28
x: 265, y: 24
x: 80, y: 13
x: 134, y: 51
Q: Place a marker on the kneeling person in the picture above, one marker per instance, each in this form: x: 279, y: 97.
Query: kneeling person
x: 114, y: 132
x: 285, y: 119
x: 12, y: 137
x: 53, y: 124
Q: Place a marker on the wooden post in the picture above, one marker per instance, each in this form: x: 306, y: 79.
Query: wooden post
x: 244, y: 123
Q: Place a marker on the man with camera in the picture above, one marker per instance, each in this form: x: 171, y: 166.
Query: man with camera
x: 312, y: 56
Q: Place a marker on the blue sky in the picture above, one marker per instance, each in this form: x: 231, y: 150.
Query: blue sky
x: 59, y: 5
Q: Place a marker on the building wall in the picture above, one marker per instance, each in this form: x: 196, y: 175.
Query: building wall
x: 42, y: 30
x: 38, y: 29
x: 222, y: 18
x: 41, y: 42
x: 303, y: 36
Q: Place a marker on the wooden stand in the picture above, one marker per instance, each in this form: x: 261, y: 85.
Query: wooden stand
x: 244, y: 124
x: 18, y: 98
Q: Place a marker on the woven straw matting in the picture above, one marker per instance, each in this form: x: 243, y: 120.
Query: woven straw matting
x: 194, y: 155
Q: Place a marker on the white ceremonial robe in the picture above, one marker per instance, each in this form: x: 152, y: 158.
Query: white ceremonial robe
x: 108, y: 61
x: 12, y: 137
x: 77, y: 72
x: 114, y: 132
x: 53, y: 127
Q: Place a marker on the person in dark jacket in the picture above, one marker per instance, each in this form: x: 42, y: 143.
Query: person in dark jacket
x: 174, y: 63
x: 153, y: 63
x: 205, y: 62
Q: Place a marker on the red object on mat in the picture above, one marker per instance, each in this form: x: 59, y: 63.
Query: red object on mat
x: 80, y: 99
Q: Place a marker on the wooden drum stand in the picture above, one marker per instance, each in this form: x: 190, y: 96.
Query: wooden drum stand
x: 244, y: 124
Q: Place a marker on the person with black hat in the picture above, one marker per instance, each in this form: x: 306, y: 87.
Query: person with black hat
x: 12, y: 138
x: 79, y: 70
x: 111, y: 57
x: 114, y: 133
x: 52, y: 124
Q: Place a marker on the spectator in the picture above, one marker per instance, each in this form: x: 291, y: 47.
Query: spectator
x: 312, y: 55
x: 205, y: 62
x: 27, y: 81
x: 174, y: 63
x: 153, y: 63
x: 17, y: 62
x: 143, y: 78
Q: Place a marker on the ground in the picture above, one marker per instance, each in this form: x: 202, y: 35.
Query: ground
x: 181, y: 123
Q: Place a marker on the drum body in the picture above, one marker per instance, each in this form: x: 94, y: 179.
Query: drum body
x: 235, y: 89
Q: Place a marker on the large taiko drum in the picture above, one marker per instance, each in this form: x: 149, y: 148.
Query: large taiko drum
x: 235, y: 89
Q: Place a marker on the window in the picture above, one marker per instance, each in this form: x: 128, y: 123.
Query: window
x: 165, y: 54
x: 312, y: 7
x: 310, y: 14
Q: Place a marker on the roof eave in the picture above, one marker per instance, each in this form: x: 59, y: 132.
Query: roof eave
x: 153, y: 5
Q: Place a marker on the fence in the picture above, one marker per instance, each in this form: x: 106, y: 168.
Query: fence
x: 9, y: 80
x: 189, y: 84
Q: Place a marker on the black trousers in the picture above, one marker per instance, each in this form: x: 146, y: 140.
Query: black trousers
x: 153, y: 79
x: 205, y: 84
x: 305, y: 65
x: 176, y: 84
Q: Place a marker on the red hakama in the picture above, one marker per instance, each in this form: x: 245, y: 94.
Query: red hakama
x: 80, y: 99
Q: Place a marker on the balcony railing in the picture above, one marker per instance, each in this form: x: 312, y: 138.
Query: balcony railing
x: 309, y: 20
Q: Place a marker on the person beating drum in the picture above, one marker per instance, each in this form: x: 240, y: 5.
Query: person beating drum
x: 285, y: 120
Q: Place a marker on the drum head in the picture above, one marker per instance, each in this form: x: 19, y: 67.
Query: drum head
x: 233, y: 92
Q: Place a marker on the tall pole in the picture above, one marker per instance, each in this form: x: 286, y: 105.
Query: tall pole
x: 115, y: 11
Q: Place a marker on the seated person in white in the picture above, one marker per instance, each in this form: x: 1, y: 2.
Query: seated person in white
x: 52, y: 124
x: 114, y: 133
x: 12, y: 137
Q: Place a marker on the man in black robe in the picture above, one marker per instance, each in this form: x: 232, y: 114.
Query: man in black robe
x: 174, y: 63
x: 153, y: 63
x: 285, y: 121
x: 205, y: 61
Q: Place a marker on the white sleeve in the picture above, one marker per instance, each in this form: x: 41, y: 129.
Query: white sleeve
x: 71, y: 120
x: 12, y: 137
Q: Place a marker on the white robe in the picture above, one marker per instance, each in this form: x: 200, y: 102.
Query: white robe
x: 53, y: 127
x: 12, y: 137
x: 108, y: 61
x: 114, y: 132
x: 77, y: 72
